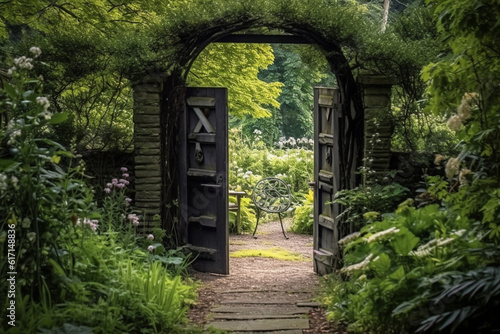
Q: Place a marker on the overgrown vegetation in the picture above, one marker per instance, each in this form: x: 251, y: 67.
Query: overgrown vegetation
x: 73, y: 266
x: 428, y: 264
x: 434, y: 268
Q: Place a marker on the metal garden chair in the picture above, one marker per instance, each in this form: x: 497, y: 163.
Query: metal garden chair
x: 272, y: 195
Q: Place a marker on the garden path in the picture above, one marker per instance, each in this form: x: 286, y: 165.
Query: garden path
x: 264, y: 295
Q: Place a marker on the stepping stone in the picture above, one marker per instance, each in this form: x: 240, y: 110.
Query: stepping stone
x: 291, y: 331
x: 260, y: 310
x: 259, y: 301
x: 309, y: 304
x: 232, y: 316
x: 260, y: 325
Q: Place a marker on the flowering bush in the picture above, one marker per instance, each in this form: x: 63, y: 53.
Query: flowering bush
x: 248, y: 165
x: 40, y: 196
x: 78, y: 268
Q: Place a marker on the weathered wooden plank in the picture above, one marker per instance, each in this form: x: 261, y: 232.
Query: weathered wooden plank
x: 199, y: 101
x: 202, y: 137
x: 326, y: 222
x: 207, y: 221
x: 260, y: 325
x: 201, y: 172
x: 260, y: 310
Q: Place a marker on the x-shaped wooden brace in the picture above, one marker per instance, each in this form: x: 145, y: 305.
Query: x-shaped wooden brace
x: 202, y: 122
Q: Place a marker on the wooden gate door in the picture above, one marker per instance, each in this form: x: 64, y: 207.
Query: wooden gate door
x: 203, y: 178
x: 327, y: 111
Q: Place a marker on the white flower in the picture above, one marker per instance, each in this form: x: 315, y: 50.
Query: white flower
x: 13, y: 136
x: 459, y: 233
x: 11, y: 70
x: 3, y: 182
x: 349, y: 238
x: 358, y: 266
x: 452, y: 167
x: 257, y: 132
x: 462, y: 177
x: 35, y: 51
x: 381, y: 234
x: 426, y: 249
x: 439, y: 158
x: 23, y: 62
x: 46, y: 115
x: 43, y: 101
x: 454, y: 122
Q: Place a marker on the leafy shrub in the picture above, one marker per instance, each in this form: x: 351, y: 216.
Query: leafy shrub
x: 374, y: 198
x: 247, y: 215
x: 427, y: 269
x: 302, y: 218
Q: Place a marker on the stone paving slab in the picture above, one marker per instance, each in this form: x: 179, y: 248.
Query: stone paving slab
x: 260, y: 310
x: 232, y: 316
x: 291, y: 331
x: 260, y: 325
x: 259, y: 301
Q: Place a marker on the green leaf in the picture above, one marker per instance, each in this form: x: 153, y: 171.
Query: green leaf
x: 404, y: 243
x: 10, y: 90
x: 6, y: 163
x: 382, y: 264
x: 398, y: 274
x: 59, y: 118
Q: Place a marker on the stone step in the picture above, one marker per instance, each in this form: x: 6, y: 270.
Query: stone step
x: 233, y: 316
x: 263, y: 301
x: 291, y: 331
x: 260, y: 325
x: 261, y: 310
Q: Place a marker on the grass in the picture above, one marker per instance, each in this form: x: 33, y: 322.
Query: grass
x: 275, y: 253
x: 235, y: 242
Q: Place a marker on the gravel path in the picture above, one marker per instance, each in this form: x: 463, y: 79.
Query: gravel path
x: 259, y: 278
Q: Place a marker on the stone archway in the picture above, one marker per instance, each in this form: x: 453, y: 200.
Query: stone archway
x: 159, y: 99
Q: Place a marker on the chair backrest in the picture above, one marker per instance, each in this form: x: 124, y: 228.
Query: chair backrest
x: 272, y: 195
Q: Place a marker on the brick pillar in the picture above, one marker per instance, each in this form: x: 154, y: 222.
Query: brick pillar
x: 379, y: 123
x: 147, y: 93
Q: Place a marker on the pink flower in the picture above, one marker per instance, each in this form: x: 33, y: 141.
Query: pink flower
x: 107, y: 190
x: 151, y: 248
x: 120, y: 185
x: 128, y: 200
x: 151, y: 237
x: 114, y: 181
x: 125, y: 182
x: 124, y: 169
x: 125, y: 175
x: 109, y: 185
x: 134, y: 219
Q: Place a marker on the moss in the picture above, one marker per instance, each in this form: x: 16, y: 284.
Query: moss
x: 275, y: 253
